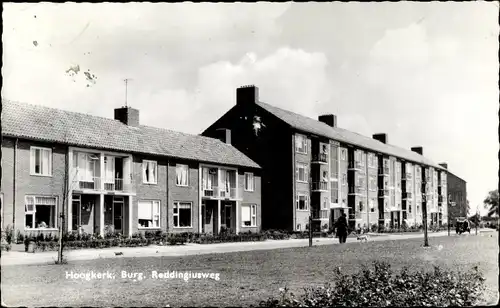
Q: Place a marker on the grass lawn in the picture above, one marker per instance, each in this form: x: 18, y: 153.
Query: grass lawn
x: 245, y: 277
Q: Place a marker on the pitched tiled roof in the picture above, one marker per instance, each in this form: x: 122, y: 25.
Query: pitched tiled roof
x: 54, y: 125
x: 309, y: 125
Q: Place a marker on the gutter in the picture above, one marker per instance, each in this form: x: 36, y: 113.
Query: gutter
x: 14, y: 185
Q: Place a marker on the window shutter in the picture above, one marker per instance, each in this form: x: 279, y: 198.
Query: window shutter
x: 145, y: 210
x: 245, y: 213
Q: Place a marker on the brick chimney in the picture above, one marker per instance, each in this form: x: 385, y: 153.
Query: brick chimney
x: 127, y: 115
x: 224, y: 135
x: 444, y: 165
x: 328, y: 119
x: 418, y: 150
x: 381, y: 137
x: 247, y: 95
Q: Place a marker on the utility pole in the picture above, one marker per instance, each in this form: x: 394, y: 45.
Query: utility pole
x: 310, y: 231
x: 424, y: 206
x: 448, y: 212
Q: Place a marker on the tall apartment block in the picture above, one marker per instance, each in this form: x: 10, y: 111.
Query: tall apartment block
x: 313, y: 167
x: 115, y: 174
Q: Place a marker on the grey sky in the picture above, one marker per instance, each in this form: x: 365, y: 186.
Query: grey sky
x: 424, y: 73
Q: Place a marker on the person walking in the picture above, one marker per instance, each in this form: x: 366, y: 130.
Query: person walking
x: 342, y: 228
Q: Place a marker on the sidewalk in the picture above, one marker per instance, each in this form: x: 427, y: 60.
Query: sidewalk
x: 18, y: 258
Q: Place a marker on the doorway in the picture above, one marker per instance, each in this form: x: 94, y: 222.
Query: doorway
x: 227, y: 215
x: 113, y: 216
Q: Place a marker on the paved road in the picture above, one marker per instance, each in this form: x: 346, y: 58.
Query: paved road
x: 17, y: 258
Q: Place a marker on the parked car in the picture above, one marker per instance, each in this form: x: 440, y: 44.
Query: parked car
x: 462, y: 225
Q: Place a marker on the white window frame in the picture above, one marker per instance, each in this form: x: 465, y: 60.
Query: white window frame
x: 298, y: 166
x: 306, y: 201
x: 176, y: 204
x: 253, y: 216
x: 153, y: 212
x: 343, y: 154
x: 251, y: 181
x: 187, y: 176
x: 304, y: 143
x: 144, y: 180
x: 33, y: 212
x: 32, y: 160
x: 344, y: 179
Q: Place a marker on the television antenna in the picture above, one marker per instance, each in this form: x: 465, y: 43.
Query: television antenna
x: 126, y: 89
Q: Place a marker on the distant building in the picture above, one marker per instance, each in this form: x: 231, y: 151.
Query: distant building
x: 457, y: 193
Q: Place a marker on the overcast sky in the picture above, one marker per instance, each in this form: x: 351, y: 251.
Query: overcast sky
x: 424, y: 73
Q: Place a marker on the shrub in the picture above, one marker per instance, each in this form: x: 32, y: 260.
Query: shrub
x: 380, y: 287
x: 5, y: 247
x: 8, y: 234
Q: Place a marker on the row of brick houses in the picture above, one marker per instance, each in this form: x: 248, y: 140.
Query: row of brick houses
x: 115, y: 175
x: 314, y: 167
x: 257, y: 167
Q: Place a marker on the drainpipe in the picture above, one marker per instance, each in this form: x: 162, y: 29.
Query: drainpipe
x: 14, y: 185
x: 367, y: 205
x: 168, y: 199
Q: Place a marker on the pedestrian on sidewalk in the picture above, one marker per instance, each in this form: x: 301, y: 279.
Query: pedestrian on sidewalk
x: 341, y: 226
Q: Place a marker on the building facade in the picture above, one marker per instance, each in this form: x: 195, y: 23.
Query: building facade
x: 312, y: 167
x: 457, y: 194
x: 114, y: 175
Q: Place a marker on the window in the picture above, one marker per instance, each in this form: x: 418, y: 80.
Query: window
x: 302, y: 202
x: 324, y: 149
x: 335, y: 191
x: 362, y: 160
x: 409, y: 206
x: 149, y: 214
x: 325, y: 176
x: 149, y: 172
x: 343, y: 154
x: 361, y: 206
x: 249, y: 215
x: 182, y: 214
x: 334, y: 163
x: 373, y: 183
x: 301, y: 172
x: 300, y: 144
x: 182, y: 175
x: 41, y: 161
x: 371, y: 204
x: 344, y: 179
x: 326, y: 203
x: 249, y: 181
x: 40, y: 212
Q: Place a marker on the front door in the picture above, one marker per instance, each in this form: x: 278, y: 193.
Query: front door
x: 75, y: 212
x: 203, y: 216
x: 118, y: 213
x: 226, y: 215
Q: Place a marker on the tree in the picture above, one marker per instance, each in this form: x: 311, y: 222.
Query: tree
x: 491, y: 203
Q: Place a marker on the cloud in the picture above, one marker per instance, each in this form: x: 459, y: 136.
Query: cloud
x: 288, y: 78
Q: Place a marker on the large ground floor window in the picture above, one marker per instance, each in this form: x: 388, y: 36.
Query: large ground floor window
x: 40, y: 212
x: 249, y: 215
x: 182, y: 213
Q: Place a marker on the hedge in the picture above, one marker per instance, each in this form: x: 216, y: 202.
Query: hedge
x: 380, y: 287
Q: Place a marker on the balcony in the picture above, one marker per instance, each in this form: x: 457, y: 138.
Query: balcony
x: 319, y: 214
x: 356, y: 166
x: 383, y: 192
x: 319, y: 186
x: 321, y: 158
x: 383, y: 171
x: 228, y: 194
x: 118, y: 185
x: 357, y: 190
x: 211, y: 192
x: 407, y: 195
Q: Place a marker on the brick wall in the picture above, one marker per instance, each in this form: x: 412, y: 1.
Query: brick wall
x: 28, y: 184
x: 250, y: 198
